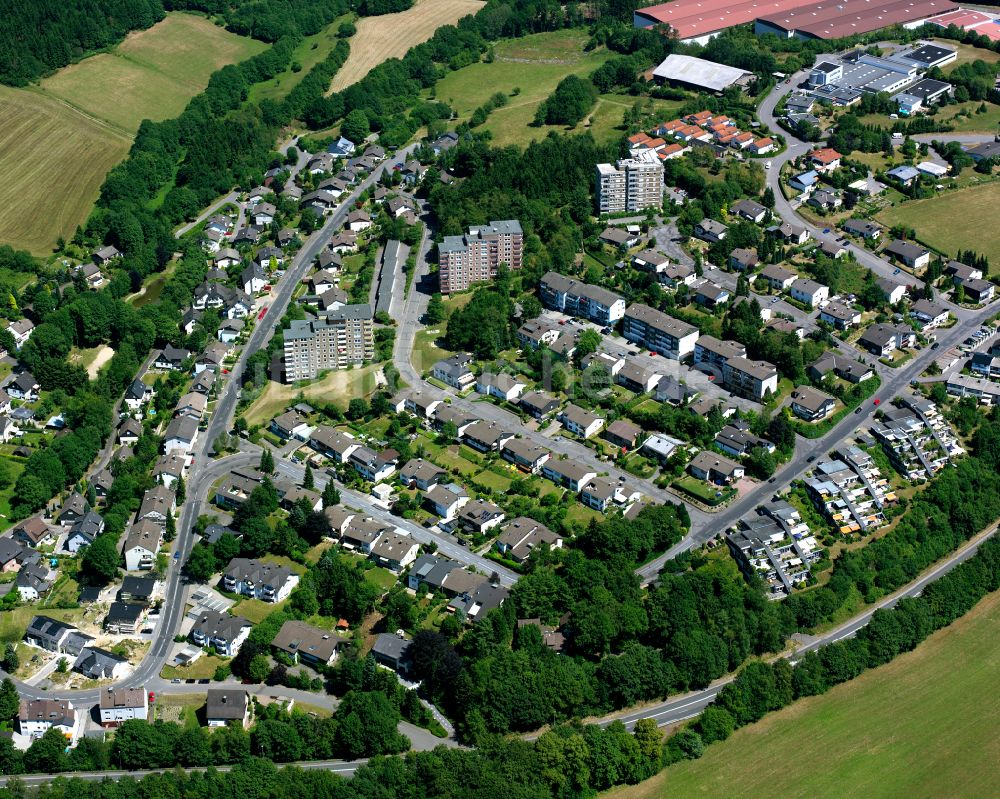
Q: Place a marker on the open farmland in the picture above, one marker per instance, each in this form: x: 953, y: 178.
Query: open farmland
x: 953, y: 220
x: 58, y: 140
x: 391, y: 35
x: 923, y: 725
x: 307, y: 54
x: 54, y: 160
x: 152, y: 74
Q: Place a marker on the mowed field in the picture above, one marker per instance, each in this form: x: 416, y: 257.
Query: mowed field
x: 534, y: 65
x: 53, y: 160
x: 391, y: 35
x: 954, y: 220
x: 153, y: 73
x: 58, y: 140
x: 922, y: 726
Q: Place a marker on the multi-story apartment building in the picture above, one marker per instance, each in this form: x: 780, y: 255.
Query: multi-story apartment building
x: 717, y: 352
x: 656, y: 331
x: 345, y: 337
x: 629, y: 185
x: 753, y: 379
x: 476, y: 256
x: 581, y: 299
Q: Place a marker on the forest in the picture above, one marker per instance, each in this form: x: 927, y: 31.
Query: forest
x: 40, y: 36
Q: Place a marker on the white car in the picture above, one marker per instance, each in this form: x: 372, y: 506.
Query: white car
x: 767, y: 165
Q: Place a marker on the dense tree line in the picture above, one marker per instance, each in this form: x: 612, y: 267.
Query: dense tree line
x: 572, y: 98
x: 39, y: 36
x: 268, y: 20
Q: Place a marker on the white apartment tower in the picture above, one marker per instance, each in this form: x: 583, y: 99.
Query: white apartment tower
x: 629, y: 185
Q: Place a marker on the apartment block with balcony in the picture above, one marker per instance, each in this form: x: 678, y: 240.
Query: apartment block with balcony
x: 476, y: 256
x: 344, y: 337
x: 629, y: 185
x: 654, y: 330
x: 581, y: 299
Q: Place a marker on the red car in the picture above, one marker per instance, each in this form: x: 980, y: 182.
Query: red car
x: 152, y: 697
x: 878, y: 401
x: 262, y: 312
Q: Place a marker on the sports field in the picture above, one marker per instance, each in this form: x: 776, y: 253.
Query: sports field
x: 954, y: 220
x: 391, y: 35
x: 58, y: 140
x: 922, y: 726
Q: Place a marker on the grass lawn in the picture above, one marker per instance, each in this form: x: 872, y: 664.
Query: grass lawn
x: 314, y: 554
x: 534, y: 64
x: 180, y: 708
x: 707, y: 492
x: 973, y: 123
x: 282, y: 560
x: 582, y: 514
x: 339, y: 385
x: 426, y: 352
x: 382, y: 579
x: 923, y: 725
x: 13, y: 468
x: 966, y: 54
x: 953, y: 220
x: 255, y: 610
x: 202, y: 669
x: 14, y: 622
x: 491, y: 479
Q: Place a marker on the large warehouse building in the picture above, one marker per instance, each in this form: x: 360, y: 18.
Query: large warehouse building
x: 699, y: 20
x: 836, y: 19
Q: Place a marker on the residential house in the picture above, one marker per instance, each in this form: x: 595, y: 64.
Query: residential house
x: 522, y: 536
x: 736, y: 439
x: 137, y: 395
x: 479, y: 516
x: 137, y: 589
x: 392, y: 651
x: 812, y: 404
x: 904, y: 175
x: 455, y: 371
x: 538, y: 404
x: 225, y: 633
x: 870, y: 231
x: 169, y: 469
x: 124, y: 618
x: 420, y: 474
x: 35, y: 717
x: 394, y: 551
x: 929, y: 314
x: 893, y: 292
x: 291, y: 424
x: 141, y: 545
x: 446, y: 500
x: 882, y: 339
x: 129, y: 432
x: 978, y: 292
x: 623, y: 433
x: 33, y: 532
x: 911, y: 255
x: 825, y: 200
x: 715, y: 468
x: 743, y: 260
x: 33, y: 581
x: 959, y: 272
x: 304, y: 643
x: 180, y: 435
x: 710, y: 295
x: 750, y: 210
x: 777, y: 277
x: 790, y: 233
x: 650, y: 261
x: 55, y: 636
x: 171, y: 358
x: 334, y: 444
x: 809, y: 292
x: 525, y: 454
x: 581, y: 422
x: 226, y: 707
x: 486, y: 436
x: 259, y: 579
x: 23, y: 387
x: 710, y: 230
x: 122, y: 704
x: 602, y: 493
x: 637, y: 378
x: 567, y: 473
x: 84, y: 531
x: 373, y: 466
x: 473, y: 606
x: 825, y: 159
x: 501, y: 386
x: 840, y: 315
x: 804, y: 181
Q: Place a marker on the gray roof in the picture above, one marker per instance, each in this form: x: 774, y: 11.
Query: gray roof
x: 226, y: 703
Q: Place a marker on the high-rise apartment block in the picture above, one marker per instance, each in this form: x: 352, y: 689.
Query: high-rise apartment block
x: 342, y: 338
x: 629, y: 185
x: 476, y: 256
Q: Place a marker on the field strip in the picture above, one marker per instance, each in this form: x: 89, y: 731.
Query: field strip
x: 111, y: 127
x: 392, y: 35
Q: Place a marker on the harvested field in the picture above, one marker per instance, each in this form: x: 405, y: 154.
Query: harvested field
x: 391, y: 35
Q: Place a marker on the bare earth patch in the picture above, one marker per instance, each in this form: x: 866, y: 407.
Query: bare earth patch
x: 391, y: 35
